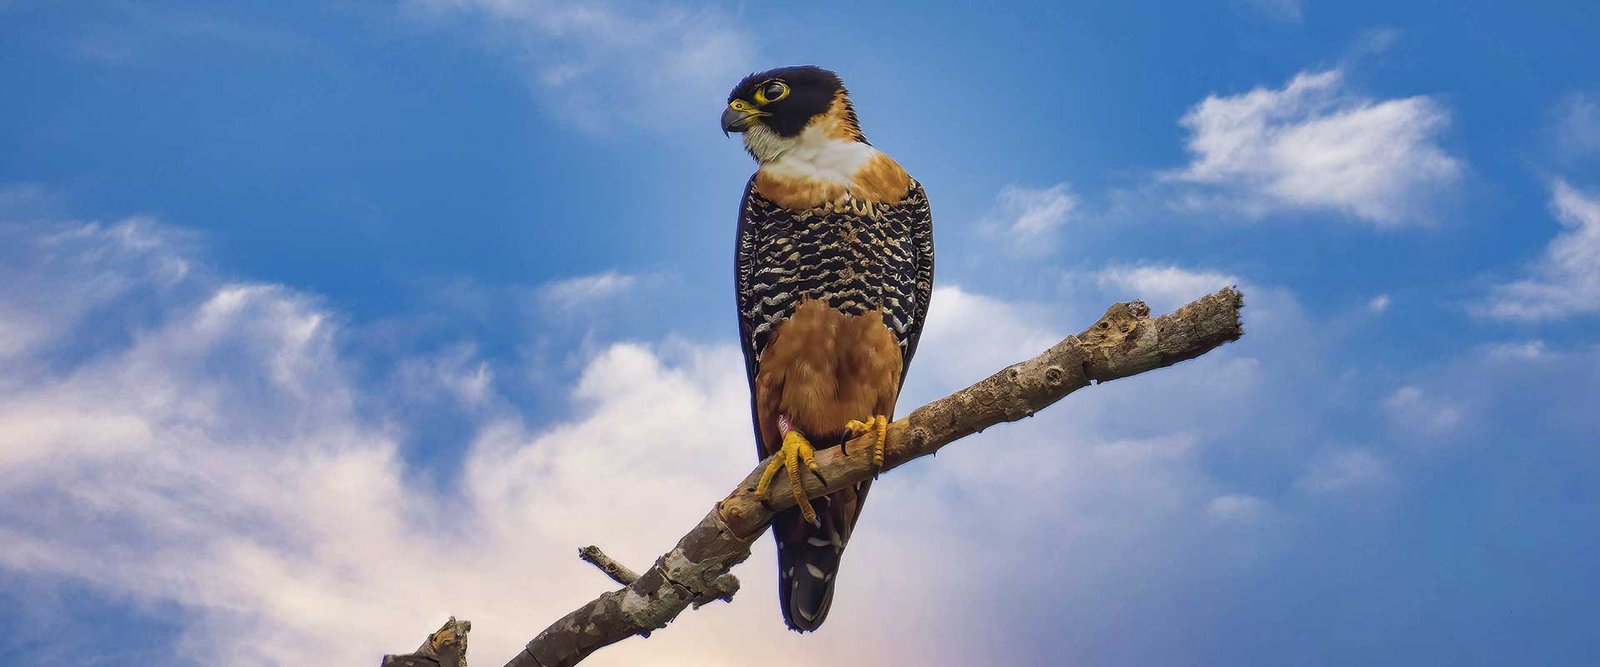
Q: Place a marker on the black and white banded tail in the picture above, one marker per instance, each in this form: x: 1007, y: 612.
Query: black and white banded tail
x: 807, y: 568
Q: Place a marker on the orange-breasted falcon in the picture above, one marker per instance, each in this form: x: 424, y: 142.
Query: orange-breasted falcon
x: 833, y: 271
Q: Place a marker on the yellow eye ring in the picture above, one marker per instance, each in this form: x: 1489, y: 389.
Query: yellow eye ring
x: 771, y: 91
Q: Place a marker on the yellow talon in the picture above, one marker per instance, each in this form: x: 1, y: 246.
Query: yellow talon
x: 796, y: 451
x: 878, y: 424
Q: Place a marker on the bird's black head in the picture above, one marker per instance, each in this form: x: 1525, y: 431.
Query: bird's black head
x: 784, y: 100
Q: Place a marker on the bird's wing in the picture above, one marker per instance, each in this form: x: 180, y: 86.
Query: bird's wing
x: 919, y: 217
x: 744, y: 266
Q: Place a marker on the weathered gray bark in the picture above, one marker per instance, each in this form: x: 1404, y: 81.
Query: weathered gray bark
x: 1124, y: 342
x: 446, y: 647
x: 617, y: 571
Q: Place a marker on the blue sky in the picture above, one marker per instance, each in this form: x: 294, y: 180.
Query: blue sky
x: 322, y: 321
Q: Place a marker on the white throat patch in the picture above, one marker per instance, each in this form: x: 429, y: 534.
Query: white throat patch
x: 812, y: 155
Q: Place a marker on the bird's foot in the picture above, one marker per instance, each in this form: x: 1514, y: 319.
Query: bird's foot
x: 796, y: 451
x: 876, y: 424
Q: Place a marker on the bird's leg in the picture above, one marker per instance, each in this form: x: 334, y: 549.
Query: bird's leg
x: 796, y: 451
x: 879, y: 425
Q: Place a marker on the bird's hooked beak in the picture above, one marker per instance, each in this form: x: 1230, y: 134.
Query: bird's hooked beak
x: 739, y: 115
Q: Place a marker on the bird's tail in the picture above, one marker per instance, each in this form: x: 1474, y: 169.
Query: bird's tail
x: 808, y: 557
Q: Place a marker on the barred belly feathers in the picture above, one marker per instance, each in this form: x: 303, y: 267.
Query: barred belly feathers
x: 833, y: 273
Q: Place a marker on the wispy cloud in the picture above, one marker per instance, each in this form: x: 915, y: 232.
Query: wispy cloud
x: 1237, y: 508
x: 1027, y: 221
x: 606, y: 63
x: 970, y: 335
x: 134, y: 31
x: 1345, y: 471
x: 1578, y: 125
x: 1415, y: 412
x: 1528, y: 350
x: 1565, y: 281
x: 570, y: 293
x: 1163, y: 287
x: 1520, y: 404
x: 39, y: 310
x: 1315, y: 145
x: 1287, y: 11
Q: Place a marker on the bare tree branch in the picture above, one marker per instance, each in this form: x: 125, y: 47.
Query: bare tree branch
x: 617, y: 571
x: 1124, y: 342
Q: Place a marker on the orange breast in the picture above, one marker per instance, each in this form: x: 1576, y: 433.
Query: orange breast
x: 823, y: 368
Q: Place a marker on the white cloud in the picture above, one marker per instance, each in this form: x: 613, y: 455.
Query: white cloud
x: 457, y: 374
x: 968, y: 336
x: 24, y: 198
x: 1565, y: 281
x: 1379, y: 303
x: 1525, y: 400
x: 221, y: 457
x: 1237, y: 508
x: 1526, y: 350
x: 137, y: 31
x: 1413, y: 411
x: 1287, y: 11
x: 580, y: 291
x: 37, y: 313
x: 1027, y: 220
x: 1578, y: 125
x: 220, y: 460
x: 1163, y: 288
x: 604, y: 63
x: 1373, y: 41
x: 1314, y: 145
x: 1345, y: 471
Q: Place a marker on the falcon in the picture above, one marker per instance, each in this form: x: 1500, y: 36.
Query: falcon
x: 833, y: 272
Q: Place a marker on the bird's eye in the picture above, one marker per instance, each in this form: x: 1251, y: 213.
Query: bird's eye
x: 771, y: 91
